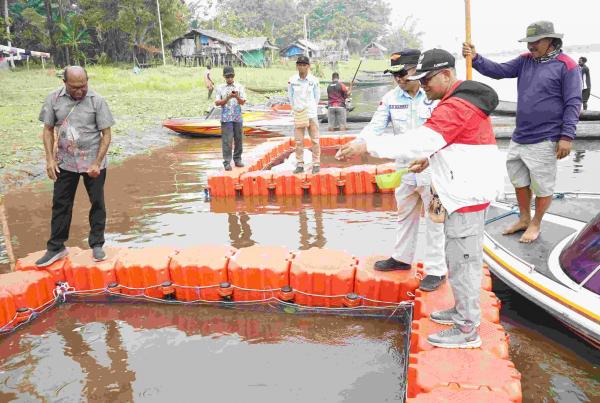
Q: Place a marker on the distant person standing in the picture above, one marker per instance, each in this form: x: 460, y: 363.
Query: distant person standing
x: 548, y: 107
x: 83, y: 121
x: 337, y: 93
x: 304, y: 95
x: 230, y: 97
x: 210, y: 84
x: 586, y: 80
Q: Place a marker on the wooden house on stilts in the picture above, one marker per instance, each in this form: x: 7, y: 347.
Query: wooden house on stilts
x: 201, y: 47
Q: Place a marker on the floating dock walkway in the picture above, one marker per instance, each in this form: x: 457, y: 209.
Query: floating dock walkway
x: 308, y: 278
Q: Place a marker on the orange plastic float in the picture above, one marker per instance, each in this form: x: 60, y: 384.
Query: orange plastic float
x: 56, y: 269
x: 30, y: 289
x: 393, y: 286
x: 314, y: 277
x: 493, y: 337
x: 467, y: 369
x: 427, y: 302
x: 359, y: 179
x: 84, y: 273
x: 138, y: 269
x: 225, y: 183
x: 326, y: 182
x: 8, y: 309
x: 197, y: 267
x: 258, y: 268
x: 288, y: 184
x: 315, y: 273
x: 251, y: 180
x: 457, y: 394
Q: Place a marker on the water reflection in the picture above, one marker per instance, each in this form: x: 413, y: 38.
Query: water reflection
x: 311, y: 235
x: 126, y: 352
x: 240, y: 233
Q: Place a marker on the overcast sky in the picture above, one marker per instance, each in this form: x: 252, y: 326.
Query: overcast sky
x: 498, y: 25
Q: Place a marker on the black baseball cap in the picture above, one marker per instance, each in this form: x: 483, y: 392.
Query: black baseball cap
x: 400, y: 61
x: 228, y: 71
x: 302, y: 59
x: 432, y: 60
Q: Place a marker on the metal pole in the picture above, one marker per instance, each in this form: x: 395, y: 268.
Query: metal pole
x: 469, y: 59
x: 162, y: 44
x: 10, y: 57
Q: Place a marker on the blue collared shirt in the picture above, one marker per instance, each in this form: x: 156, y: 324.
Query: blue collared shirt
x: 402, y: 112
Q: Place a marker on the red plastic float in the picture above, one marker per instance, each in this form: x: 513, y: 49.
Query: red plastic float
x: 393, y: 286
x: 258, y: 268
x: 84, y: 273
x: 142, y: 268
x: 467, y: 369
x: 493, y: 337
x: 457, y: 394
x: 316, y: 272
x: 56, y: 269
x: 7, y: 308
x: 200, y: 266
x: 427, y: 302
x: 314, y: 277
x: 30, y: 289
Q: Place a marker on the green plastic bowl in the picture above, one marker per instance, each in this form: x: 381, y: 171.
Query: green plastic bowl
x: 391, y: 180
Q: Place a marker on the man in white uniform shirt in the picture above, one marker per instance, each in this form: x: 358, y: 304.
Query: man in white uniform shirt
x: 407, y: 107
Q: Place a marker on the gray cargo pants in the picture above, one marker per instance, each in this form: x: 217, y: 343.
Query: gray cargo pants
x: 464, y: 255
x: 336, y: 117
x: 231, y: 135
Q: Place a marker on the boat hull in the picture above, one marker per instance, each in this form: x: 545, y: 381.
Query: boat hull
x: 577, y: 308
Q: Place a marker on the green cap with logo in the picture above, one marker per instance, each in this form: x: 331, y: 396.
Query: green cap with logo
x: 539, y: 30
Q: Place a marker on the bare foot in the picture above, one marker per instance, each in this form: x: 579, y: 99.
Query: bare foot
x: 520, y: 225
x: 531, y: 234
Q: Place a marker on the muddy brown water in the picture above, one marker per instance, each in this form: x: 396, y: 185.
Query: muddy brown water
x: 124, y: 352
x: 108, y: 352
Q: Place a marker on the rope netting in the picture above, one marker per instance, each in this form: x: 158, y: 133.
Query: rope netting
x: 271, y: 300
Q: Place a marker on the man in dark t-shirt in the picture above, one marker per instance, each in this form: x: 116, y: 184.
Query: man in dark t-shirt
x: 336, y: 103
x: 586, y: 81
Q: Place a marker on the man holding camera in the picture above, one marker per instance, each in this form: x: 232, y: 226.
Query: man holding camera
x: 230, y: 97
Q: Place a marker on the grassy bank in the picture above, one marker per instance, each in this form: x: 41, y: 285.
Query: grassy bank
x: 138, y: 101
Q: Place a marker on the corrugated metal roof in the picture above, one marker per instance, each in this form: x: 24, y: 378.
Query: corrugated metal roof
x: 252, y: 43
x: 237, y: 44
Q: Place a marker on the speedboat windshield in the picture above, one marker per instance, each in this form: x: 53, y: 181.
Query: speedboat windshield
x: 580, y: 260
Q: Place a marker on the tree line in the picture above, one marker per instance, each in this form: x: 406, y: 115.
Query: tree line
x: 84, y: 31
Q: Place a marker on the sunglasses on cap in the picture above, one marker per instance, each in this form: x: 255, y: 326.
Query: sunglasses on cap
x: 425, y: 80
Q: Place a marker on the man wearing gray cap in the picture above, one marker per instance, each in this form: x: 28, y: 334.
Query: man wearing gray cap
x: 548, y: 106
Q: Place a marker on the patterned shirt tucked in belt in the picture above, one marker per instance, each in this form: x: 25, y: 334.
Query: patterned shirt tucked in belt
x: 231, y: 111
x: 79, y: 124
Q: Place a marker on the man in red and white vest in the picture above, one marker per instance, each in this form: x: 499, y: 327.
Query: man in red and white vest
x: 458, y: 142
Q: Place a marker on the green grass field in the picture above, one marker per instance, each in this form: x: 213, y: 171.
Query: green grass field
x: 138, y: 101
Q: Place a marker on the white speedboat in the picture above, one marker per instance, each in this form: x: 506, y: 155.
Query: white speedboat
x: 560, y: 271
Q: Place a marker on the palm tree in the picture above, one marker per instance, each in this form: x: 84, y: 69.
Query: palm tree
x: 74, y: 35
